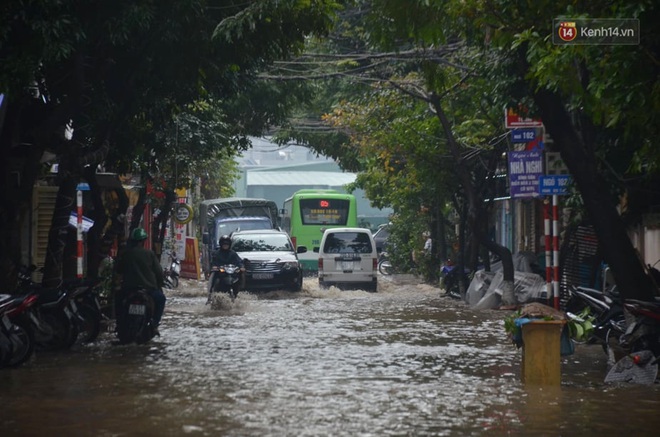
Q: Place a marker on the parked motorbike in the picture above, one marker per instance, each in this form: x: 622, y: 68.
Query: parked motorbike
x: 451, y: 276
x: 385, y: 266
x: 225, y: 279
x: 88, y: 315
x: 16, y: 333
x: 135, y: 318
x: 643, y: 330
x: 63, y: 314
x: 171, y: 274
x: 605, y: 308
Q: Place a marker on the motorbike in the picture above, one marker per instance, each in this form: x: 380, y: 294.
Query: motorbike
x: 225, y: 279
x: 643, y: 330
x: 16, y: 333
x: 88, y: 309
x: 135, y: 318
x: 450, y: 279
x: 639, y: 343
x: 171, y: 274
x: 604, y: 308
x: 63, y: 314
x: 385, y: 266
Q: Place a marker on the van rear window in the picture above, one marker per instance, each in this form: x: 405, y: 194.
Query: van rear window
x: 347, y: 242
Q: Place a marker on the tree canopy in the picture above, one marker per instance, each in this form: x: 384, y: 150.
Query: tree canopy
x: 471, y: 59
x: 122, y: 77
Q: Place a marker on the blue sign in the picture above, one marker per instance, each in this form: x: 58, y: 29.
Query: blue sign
x: 525, y: 169
x: 554, y: 185
x: 83, y: 186
x: 523, y: 135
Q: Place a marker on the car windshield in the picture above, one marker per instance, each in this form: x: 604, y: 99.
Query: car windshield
x: 226, y: 228
x: 261, y: 243
x: 347, y: 242
x: 383, y: 233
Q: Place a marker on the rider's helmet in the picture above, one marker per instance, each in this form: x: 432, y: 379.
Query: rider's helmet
x: 138, y: 234
x: 224, y: 240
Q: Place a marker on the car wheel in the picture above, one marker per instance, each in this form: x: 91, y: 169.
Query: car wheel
x: 297, y: 286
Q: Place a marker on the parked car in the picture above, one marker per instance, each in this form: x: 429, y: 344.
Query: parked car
x: 381, y: 236
x: 348, y: 258
x: 270, y: 260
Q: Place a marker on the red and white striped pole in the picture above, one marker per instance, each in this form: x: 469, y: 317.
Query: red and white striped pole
x: 80, y: 233
x: 555, y: 248
x: 548, y: 250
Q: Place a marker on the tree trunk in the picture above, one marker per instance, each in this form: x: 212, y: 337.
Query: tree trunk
x: 618, y: 250
x: 474, y: 206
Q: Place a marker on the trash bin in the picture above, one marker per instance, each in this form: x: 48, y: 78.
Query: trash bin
x: 541, y: 361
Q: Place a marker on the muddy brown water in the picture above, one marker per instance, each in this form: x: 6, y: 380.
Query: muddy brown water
x: 401, y: 362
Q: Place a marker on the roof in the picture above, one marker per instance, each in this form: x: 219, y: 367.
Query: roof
x: 299, y: 178
x: 258, y: 231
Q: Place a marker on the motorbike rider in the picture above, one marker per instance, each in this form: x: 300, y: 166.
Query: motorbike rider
x: 225, y: 255
x: 140, y: 268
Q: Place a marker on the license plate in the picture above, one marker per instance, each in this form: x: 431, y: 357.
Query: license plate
x: 6, y: 322
x: 347, y: 265
x: 262, y: 276
x: 137, y: 310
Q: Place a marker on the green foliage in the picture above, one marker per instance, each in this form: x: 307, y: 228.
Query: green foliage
x: 580, y: 326
x: 510, y: 326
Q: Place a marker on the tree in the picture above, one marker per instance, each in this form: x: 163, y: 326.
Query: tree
x: 418, y: 145
x: 596, y: 101
x: 116, y: 74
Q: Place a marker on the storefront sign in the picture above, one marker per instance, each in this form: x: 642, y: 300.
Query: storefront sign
x: 525, y: 169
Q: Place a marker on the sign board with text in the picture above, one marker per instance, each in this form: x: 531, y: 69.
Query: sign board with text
x: 554, y: 185
x: 513, y: 119
x: 525, y: 169
x: 523, y: 135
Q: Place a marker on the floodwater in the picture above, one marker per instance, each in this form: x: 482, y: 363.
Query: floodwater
x: 401, y: 362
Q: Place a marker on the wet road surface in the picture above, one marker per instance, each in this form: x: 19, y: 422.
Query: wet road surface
x: 401, y: 362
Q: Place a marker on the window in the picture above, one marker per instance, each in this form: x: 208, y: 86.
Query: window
x: 261, y: 243
x: 347, y: 242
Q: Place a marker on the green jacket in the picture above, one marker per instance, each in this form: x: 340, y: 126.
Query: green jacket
x: 140, y: 268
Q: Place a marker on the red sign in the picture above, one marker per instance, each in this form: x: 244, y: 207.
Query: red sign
x: 190, y: 262
x: 513, y: 120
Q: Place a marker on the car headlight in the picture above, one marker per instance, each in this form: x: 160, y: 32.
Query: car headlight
x: 290, y: 265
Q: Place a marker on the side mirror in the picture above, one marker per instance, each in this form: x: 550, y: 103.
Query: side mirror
x: 301, y: 249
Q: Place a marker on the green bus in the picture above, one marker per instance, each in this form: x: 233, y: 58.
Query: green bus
x: 309, y: 212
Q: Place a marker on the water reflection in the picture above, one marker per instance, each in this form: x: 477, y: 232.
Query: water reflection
x: 403, y: 361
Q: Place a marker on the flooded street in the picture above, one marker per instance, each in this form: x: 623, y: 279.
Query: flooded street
x: 401, y: 362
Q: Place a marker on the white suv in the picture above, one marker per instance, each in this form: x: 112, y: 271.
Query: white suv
x: 348, y: 257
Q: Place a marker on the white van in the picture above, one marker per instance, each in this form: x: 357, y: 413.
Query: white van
x: 348, y: 257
